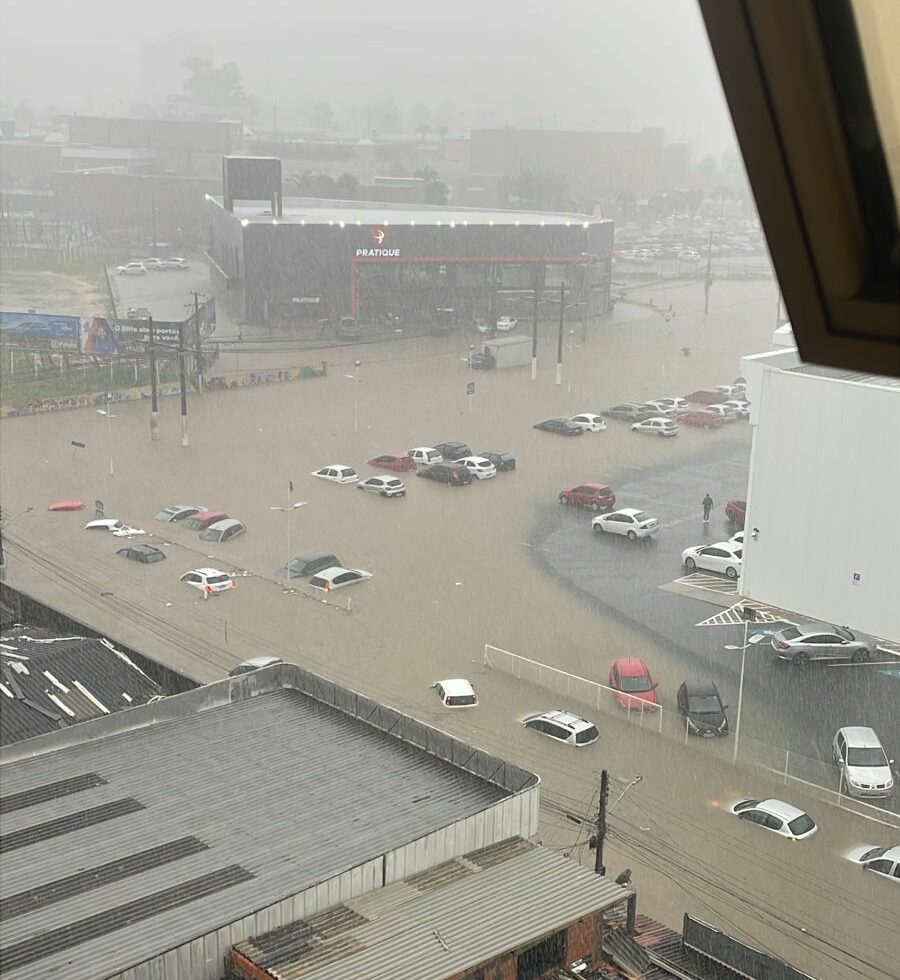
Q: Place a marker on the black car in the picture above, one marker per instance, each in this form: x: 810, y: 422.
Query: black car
x: 502, y: 461
x: 309, y: 563
x: 446, y: 473
x: 563, y: 426
x: 631, y: 412
x: 142, y: 552
x: 453, y: 450
x: 699, y: 702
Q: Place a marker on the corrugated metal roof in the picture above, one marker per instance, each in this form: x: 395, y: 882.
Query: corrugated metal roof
x: 841, y: 374
x: 437, y: 933
x: 288, y: 788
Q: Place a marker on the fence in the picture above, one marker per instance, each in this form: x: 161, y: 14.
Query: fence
x: 588, y: 692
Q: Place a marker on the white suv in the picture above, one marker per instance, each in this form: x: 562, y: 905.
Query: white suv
x: 563, y: 725
x: 478, y: 466
x: 865, y: 767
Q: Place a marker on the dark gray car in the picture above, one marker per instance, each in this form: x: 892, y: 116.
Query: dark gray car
x: 502, y: 461
x: 309, y: 563
x: 699, y: 702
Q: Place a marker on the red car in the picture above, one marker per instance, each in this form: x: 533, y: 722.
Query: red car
x: 399, y: 462
x: 597, y: 496
x: 630, y: 676
x: 705, y: 396
x: 700, y: 417
x: 67, y: 505
x: 736, y: 512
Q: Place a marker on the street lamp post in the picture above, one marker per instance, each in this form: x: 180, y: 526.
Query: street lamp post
x: 288, y: 511
x: 569, y: 369
x: 747, y: 643
x: 355, y: 379
x: 109, y: 417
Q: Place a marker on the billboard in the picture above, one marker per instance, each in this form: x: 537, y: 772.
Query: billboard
x: 42, y: 331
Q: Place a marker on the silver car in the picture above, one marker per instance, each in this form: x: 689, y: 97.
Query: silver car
x: 822, y: 641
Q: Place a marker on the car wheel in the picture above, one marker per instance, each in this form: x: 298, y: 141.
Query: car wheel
x: 801, y: 659
x: 595, y: 506
x: 859, y: 656
x: 690, y: 564
x: 632, y: 536
x: 598, y: 528
x: 731, y: 572
x: 565, y: 501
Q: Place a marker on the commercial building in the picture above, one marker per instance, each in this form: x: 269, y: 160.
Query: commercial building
x: 148, y: 842
x: 824, y: 472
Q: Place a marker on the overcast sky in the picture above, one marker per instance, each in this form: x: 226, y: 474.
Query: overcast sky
x: 611, y: 64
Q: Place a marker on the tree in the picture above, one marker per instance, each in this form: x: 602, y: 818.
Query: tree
x: 211, y: 85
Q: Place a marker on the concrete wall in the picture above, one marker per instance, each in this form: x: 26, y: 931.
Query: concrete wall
x: 824, y: 473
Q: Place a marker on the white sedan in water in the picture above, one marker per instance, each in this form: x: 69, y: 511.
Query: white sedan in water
x: 628, y: 521
x: 118, y: 528
x: 589, y: 421
x: 337, y: 473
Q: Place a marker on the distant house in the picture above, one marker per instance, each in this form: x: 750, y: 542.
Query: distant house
x: 48, y: 682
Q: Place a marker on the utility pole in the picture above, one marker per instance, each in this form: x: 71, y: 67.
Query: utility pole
x: 197, y: 342
x: 154, y: 391
x: 534, y: 322
x: 183, y: 382
x: 599, y: 866
x: 559, y: 345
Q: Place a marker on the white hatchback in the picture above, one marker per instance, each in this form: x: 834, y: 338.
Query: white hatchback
x: 425, y: 456
x: 456, y: 692
x: 337, y: 473
x: 208, y: 580
x: 669, y: 406
x: 118, y: 528
x: 479, y: 467
x: 656, y: 427
x: 589, y: 421
x: 628, y: 521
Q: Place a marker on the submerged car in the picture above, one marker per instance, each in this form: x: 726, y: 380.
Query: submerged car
x: 451, y: 473
x: 399, y: 462
x: 656, y: 427
x: 177, y: 512
x: 631, y: 411
x: 223, y: 531
x: 453, y: 451
x: 384, y: 485
x: 337, y: 577
x: 118, y: 528
x: 336, y: 473
x: 308, y: 563
x: 699, y: 703
x: 203, y: 519
x: 563, y: 726
x: 253, y: 663
x: 700, y: 418
x: 884, y: 861
x: 479, y: 467
x: 208, y: 580
x: 456, y: 693
x: 144, y: 553
x: 425, y: 456
x: 775, y: 815
x: 502, y: 461
x: 563, y: 427
x: 589, y: 421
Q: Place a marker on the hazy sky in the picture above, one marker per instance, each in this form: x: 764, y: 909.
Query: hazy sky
x: 603, y: 63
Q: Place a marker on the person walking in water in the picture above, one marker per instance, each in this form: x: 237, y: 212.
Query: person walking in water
x: 707, y: 507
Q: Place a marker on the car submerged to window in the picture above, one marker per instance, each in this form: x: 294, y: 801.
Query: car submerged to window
x: 336, y: 473
x: 399, y: 462
x: 589, y: 421
x: 177, y: 512
x: 223, y: 531
x: 456, y: 693
x: 563, y: 427
x: 502, y: 461
x: 144, y: 553
x: 883, y: 861
x: 308, y: 563
x: 208, y: 580
x: 479, y: 467
x: 385, y: 485
x: 338, y: 577
x: 563, y: 726
x: 451, y: 473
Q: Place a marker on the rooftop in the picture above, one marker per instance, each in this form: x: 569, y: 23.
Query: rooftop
x: 839, y: 374
x: 139, y: 833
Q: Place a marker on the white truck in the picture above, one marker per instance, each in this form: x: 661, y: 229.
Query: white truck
x: 509, y: 351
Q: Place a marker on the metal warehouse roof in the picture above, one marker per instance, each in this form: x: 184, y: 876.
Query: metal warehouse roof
x: 313, y: 211
x: 442, y: 922
x: 118, y: 847
x: 841, y: 374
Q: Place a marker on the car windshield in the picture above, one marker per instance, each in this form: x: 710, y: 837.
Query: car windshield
x: 635, y: 684
x: 873, y: 756
x: 704, y: 704
x: 801, y: 825
x: 587, y: 734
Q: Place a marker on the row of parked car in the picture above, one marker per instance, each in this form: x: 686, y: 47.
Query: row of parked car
x: 144, y: 266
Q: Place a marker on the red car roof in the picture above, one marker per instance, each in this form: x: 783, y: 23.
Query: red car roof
x: 67, y: 505
x: 631, y: 667
x: 205, y: 515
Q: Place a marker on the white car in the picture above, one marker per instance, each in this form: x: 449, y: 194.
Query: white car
x: 425, y: 456
x: 564, y: 726
x: 656, y: 427
x: 208, y: 580
x: 337, y: 473
x: 882, y: 860
x: 730, y: 391
x: 384, y: 484
x: 337, y: 577
x: 456, y: 692
x: 628, y: 521
x: 779, y: 817
x: 175, y: 262
x: 864, y: 765
x: 737, y: 540
x: 670, y: 406
x: 152, y: 265
x: 589, y: 421
x: 131, y: 269
x: 506, y: 324
x: 740, y: 405
x: 726, y: 413
x: 479, y: 467
x: 689, y: 255
x: 118, y: 528
x: 721, y: 557
x: 253, y: 663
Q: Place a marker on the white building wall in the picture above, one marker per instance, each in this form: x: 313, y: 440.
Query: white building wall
x: 824, y: 496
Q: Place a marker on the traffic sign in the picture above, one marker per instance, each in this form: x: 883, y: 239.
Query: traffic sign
x: 470, y: 388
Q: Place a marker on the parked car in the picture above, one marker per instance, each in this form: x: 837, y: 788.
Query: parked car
x: 741, y: 407
x: 656, y: 427
x: 822, y: 641
x: 699, y: 702
x: 336, y: 473
x: 725, y: 412
x: 337, y: 577
x: 384, y: 485
x: 635, y: 689
x: 730, y: 391
x: 667, y: 406
x: 589, y: 421
x: 631, y: 412
x: 117, y: 527
x: 222, y: 531
x: 700, y: 418
x: 203, y: 519
x: 175, y: 262
x: 144, y: 553
x: 501, y: 460
x: 883, y: 861
x: 737, y: 539
x: 397, y: 461
x: 736, y: 512
x: 452, y: 451
x: 177, y: 512
x: 563, y: 726
x: 152, y: 264
x: 131, y: 269
x: 456, y: 693
x: 506, y: 324
x: 425, y: 455
x: 348, y: 328
x: 596, y: 496
x: 308, y: 563
x: 864, y: 765
x: 561, y: 426
x: 775, y: 815
x: 704, y: 396
x: 254, y: 663
x: 208, y: 580
x: 451, y: 473
x: 720, y: 557
x: 479, y: 467
x: 628, y: 521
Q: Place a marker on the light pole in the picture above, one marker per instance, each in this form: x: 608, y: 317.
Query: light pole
x: 109, y: 417
x: 289, y: 510
x: 355, y: 379
x: 569, y: 369
x: 729, y: 646
x: 638, y: 778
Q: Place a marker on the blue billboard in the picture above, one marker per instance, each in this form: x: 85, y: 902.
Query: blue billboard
x: 43, y: 331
